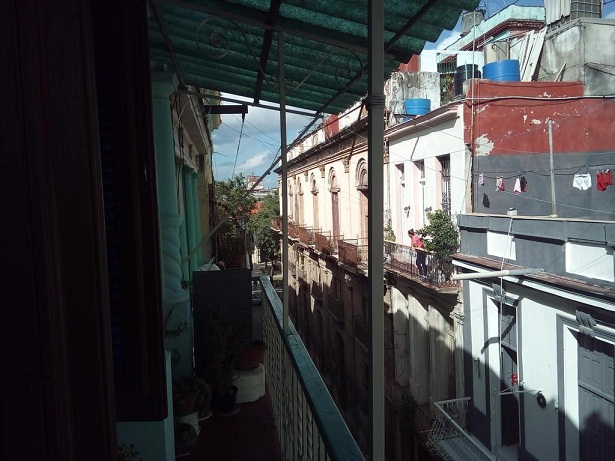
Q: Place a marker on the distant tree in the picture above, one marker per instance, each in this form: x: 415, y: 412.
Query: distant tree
x: 232, y: 199
x: 260, y: 225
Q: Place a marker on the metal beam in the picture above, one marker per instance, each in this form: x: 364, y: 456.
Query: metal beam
x: 274, y: 10
x: 167, y: 40
x: 487, y: 275
x: 261, y: 105
x: 283, y: 152
x: 226, y: 109
x: 375, y: 141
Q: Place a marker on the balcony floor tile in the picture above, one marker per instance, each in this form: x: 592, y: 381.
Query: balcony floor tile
x: 248, y: 435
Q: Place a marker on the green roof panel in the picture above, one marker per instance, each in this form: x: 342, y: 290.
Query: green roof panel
x: 231, y: 46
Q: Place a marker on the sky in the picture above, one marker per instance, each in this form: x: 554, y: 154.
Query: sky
x: 254, y: 151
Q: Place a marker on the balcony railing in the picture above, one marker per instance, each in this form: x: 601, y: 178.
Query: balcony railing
x: 292, y: 267
x: 353, y: 251
x: 308, y: 422
x: 324, y: 243
x: 448, y: 436
x: 293, y: 231
x: 306, y: 235
x: 362, y: 332
x: 437, y: 271
x: 336, y: 307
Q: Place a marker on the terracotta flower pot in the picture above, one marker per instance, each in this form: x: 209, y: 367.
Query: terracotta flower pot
x: 252, y: 356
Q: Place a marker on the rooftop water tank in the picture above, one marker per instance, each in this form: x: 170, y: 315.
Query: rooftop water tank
x: 506, y: 70
x: 462, y: 75
x: 417, y: 106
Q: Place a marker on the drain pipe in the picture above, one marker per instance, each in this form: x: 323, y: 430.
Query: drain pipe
x: 486, y: 275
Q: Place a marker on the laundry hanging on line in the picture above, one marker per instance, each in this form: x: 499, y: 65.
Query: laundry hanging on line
x: 582, y: 181
x: 604, y: 179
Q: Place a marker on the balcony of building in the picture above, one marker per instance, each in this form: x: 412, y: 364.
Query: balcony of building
x: 353, y: 252
x: 324, y: 242
x: 448, y: 436
x: 435, y: 272
x: 296, y: 418
x: 336, y: 307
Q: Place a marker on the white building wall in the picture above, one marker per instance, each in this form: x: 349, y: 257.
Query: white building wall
x: 433, y: 138
x: 539, y: 354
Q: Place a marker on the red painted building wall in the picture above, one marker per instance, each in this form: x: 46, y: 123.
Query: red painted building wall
x: 504, y: 118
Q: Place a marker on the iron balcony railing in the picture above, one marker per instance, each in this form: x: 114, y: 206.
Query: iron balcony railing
x: 324, y: 243
x: 308, y: 422
x: 306, y: 235
x: 437, y: 271
x: 336, y: 307
x: 292, y: 267
x: 448, y: 436
x: 293, y: 231
x: 353, y: 251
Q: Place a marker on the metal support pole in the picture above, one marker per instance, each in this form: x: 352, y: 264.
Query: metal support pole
x: 488, y: 275
x: 375, y: 142
x: 551, y: 169
x: 283, y: 152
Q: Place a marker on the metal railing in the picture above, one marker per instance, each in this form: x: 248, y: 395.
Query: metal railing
x: 324, y: 243
x: 306, y: 235
x: 308, y: 422
x: 292, y: 267
x: 293, y: 231
x: 448, y: 436
x: 353, y: 251
x: 436, y: 271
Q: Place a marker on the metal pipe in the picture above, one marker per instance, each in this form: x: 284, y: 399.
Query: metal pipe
x: 551, y: 169
x: 283, y: 152
x: 486, y: 275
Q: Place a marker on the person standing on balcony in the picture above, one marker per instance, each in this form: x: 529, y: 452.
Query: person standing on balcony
x: 417, y: 246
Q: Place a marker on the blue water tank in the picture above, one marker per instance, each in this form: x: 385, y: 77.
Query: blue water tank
x: 417, y: 106
x: 502, y: 71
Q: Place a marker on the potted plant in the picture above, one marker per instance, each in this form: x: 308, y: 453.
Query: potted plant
x: 252, y: 355
x: 220, y: 347
x: 185, y: 401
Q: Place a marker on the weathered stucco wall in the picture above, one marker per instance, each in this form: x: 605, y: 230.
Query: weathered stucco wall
x: 509, y: 132
x: 584, y: 48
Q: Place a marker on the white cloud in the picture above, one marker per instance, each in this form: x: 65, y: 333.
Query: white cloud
x: 260, y: 141
x: 610, y: 15
x: 448, y: 40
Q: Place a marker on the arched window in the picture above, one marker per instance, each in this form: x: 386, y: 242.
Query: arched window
x: 362, y: 186
x: 335, y: 211
x: 314, y: 189
x: 361, y: 175
x: 299, y: 202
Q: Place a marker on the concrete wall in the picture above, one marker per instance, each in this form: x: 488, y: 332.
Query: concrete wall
x: 547, y: 362
x: 508, y: 128
x: 410, y: 85
x: 541, y: 243
x: 578, y: 48
x: 424, y: 139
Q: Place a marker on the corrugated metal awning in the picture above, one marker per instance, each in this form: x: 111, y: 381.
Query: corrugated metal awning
x: 230, y: 46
